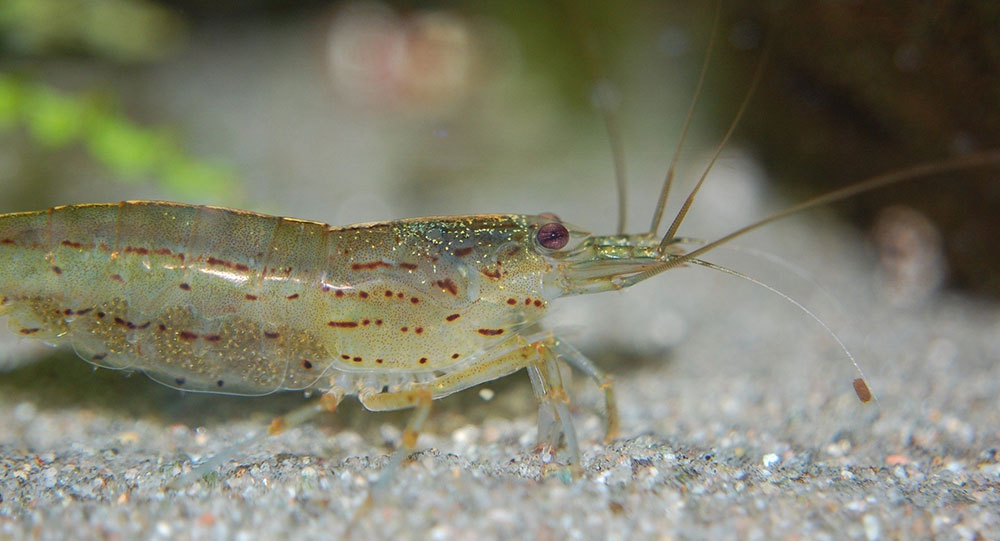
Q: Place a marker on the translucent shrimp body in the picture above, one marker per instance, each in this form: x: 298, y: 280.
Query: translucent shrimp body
x: 211, y: 299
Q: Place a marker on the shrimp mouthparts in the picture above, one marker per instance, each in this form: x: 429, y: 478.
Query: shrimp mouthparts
x: 606, y: 263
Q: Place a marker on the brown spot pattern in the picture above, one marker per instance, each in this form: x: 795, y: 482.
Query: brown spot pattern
x: 448, y: 285
x: 227, y: 264
x: 371, y: 265
x: 343, y: 324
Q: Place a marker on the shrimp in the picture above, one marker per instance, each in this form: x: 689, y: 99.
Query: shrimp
x: 211, y: 299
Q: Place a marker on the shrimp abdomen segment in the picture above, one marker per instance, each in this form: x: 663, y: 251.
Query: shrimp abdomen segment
x: 135, y: 285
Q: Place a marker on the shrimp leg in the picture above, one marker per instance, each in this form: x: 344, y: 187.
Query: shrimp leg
x: 553, y: 400
x: 420, y: 399
x: 539, y: 357
x: 507, y: 359
x: 577, y: 360
x: 326, y: 402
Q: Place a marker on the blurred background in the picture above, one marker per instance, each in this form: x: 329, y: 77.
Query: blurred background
x: 347, y: 112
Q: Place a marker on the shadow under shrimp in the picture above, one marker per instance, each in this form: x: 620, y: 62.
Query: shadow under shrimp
x: 60, y: 382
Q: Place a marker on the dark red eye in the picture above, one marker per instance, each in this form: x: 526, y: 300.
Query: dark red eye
x: 553, y: 235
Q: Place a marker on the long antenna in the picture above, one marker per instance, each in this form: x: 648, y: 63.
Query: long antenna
x: 902, y: 175
x: 661, y: 203
x: 605, y: 100
x: 682, y: 213
x: 787, y: 298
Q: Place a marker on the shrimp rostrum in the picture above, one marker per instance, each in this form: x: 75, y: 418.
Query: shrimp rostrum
x: 395, y: 313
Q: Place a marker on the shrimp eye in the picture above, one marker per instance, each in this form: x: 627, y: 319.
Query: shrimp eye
x: 553, y: 235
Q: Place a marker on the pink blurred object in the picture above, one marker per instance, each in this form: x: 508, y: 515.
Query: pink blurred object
x: 426, y: 60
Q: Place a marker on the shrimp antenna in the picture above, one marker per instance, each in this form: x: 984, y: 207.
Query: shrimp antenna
x: 606, y: 101
x: 787, y: 298
x: 682, y: 213
x: 969, y: 161
x: 661, y: 203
